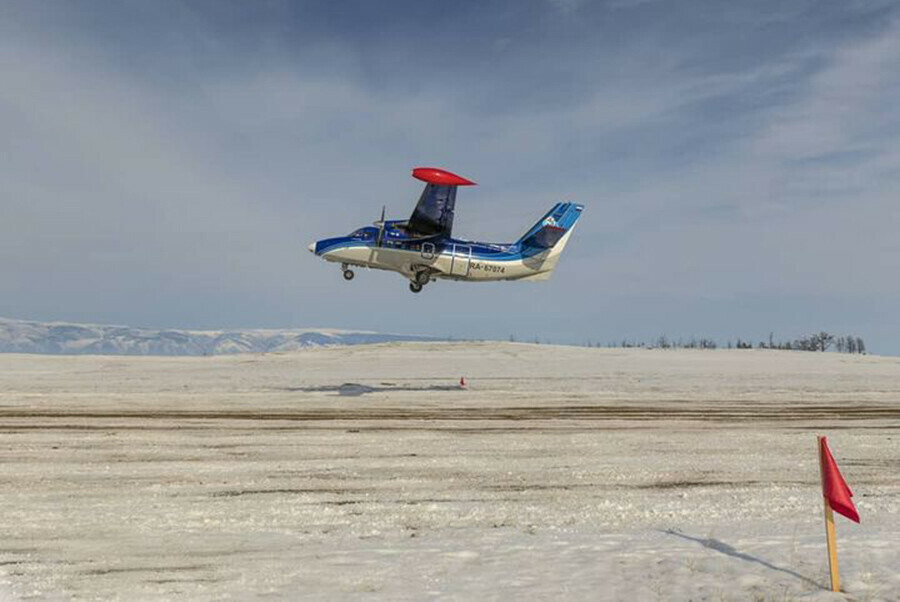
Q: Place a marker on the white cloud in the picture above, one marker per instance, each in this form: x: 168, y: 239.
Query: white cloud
x: 847, y: 106
x: 566, y: 6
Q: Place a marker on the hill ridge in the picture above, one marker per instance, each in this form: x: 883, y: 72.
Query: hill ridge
x: 70, y: 338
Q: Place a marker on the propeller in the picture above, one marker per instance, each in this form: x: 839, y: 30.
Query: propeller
x: 380, y: 224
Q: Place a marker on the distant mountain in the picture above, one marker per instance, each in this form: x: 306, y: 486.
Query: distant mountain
x: 20, y: 336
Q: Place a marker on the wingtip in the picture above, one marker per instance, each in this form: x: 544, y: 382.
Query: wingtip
x: 436, y: 175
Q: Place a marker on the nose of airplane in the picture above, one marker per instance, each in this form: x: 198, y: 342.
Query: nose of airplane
x: 312, y: 247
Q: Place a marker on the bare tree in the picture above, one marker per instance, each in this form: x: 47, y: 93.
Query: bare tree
x: 744, y: 344
x: 822, y: 341
x: 805, y: 344
x: 860, y: 345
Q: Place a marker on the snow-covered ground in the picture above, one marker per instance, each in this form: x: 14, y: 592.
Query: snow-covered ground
x: 559, y: 473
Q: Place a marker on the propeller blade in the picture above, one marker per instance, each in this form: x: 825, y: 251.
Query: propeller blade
x: 380, y: 224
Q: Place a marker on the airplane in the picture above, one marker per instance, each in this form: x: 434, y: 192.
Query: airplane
x: 422, y: 248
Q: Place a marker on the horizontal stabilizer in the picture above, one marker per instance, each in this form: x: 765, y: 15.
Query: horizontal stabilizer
x: 543, y: 244
x: 552, y: 227
x: 544, y: 238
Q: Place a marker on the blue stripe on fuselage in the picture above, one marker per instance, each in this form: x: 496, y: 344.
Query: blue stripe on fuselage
x: 486, y: 251
x: 564, y: 214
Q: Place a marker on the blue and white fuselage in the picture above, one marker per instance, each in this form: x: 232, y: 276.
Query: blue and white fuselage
x: 399, y: 247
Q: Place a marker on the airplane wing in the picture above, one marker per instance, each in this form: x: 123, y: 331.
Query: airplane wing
x: 434, y: 211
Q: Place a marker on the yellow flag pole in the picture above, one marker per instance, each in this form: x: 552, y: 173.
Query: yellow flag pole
x: 829, y: 530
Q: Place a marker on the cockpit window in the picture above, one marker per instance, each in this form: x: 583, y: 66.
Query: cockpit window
x: 361, y: 233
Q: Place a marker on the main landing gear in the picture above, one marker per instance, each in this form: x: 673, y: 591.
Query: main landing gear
x: 348, y: 273
x: 419, y: 281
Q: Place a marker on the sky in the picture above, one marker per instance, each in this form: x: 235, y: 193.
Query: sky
x: 166, y: 164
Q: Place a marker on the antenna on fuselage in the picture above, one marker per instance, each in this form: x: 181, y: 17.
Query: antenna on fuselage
x: 380, y: 224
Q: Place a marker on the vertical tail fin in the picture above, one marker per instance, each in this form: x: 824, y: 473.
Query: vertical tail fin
x: 543, y: 244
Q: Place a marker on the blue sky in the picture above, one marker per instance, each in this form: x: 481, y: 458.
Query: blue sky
x: 166, y: 163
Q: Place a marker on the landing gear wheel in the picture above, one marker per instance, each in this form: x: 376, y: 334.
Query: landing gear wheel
x: 348, y: 274
x: 415, y: 287
x: 423, y: 277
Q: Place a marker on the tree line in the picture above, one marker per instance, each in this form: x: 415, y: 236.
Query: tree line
x: 820, y: 341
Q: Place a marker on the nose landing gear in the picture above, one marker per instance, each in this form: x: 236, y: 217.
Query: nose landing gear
x: 348, y: 273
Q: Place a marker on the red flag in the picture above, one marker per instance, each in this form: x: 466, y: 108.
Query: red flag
x: 834, y: 488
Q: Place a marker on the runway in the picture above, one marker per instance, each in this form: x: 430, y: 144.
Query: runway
x: 556, y: 471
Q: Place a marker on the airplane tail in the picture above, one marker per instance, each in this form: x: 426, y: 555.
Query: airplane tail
x: 543, y: 244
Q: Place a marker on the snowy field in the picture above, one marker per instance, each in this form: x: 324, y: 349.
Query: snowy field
x: 558, y: 474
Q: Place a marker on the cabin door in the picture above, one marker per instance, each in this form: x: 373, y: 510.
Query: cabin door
x: 459, y: 265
